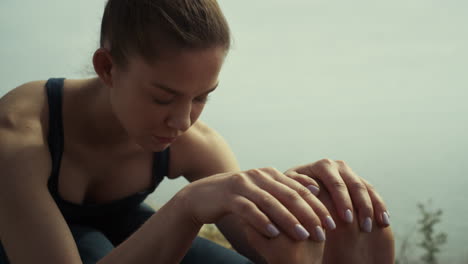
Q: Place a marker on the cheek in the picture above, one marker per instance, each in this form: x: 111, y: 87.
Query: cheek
x: 151, y: 117
x: 197, y: 109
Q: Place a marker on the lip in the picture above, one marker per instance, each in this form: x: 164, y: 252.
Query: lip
x: 164, y: 139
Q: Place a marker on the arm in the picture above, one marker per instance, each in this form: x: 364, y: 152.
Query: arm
x: 28, y: 214
x: 164, y: 238
x: 209, y: 154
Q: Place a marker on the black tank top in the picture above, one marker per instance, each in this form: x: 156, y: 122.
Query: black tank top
x: 88, y: 213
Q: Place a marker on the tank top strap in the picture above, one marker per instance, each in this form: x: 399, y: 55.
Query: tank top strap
x: 160, y: 167
x: 54, y: 88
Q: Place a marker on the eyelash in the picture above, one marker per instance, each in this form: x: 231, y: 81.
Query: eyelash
x: 202, y: 100
x: 162, y: 102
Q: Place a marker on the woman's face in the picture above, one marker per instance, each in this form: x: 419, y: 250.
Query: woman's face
x: 156, y: 103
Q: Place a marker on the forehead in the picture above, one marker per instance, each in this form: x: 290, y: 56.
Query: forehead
x: 190, y: 71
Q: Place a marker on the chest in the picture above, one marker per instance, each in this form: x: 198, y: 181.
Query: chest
x: 100, y: 177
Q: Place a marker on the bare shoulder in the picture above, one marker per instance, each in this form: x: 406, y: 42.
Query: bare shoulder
x: 21, y: 131
x: 202, y: 152
x: 22, y: 108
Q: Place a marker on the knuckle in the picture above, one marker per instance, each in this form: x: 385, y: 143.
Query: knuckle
x: 270, y: 170
x: 296, y: 176
x: 359, y: 186
x: 326, y: 162
x: 292, y: 196
x: 304, y: 192
x: 254, y: 172
x: 341, y: 163
x: 239, y: 179
x: 267, y: 200
x: 338, y: 184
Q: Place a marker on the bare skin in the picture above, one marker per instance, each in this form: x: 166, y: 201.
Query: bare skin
x: 353, y: 245
x: 345, y: 244
x: 115, y: 129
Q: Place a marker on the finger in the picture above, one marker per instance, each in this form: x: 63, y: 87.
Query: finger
x: 242, y: 185
x: 359, y: 196
x: 295, y: 200
x: 327, y: 172
x: 305, y: 180
x: 317, y: 206
x: 252, y: 215
x: 380, y: 209
x: 279, y: 214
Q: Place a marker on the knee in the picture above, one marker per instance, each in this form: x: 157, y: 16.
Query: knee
x: 350, y: 236
x: 92, y: 244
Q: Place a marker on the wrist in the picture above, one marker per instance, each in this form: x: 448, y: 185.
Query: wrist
x: 182, y: 202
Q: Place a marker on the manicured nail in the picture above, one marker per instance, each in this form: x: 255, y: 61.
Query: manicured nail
x: 367, y: 225
x: 273, y: 230
x: 320, y: 234
x: 330, y: 223
x: 302, y: 232
x: 313, y: 189
x: 349, y: 216
x: 385, y: 218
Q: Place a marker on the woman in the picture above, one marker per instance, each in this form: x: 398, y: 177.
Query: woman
x: 79, y: 157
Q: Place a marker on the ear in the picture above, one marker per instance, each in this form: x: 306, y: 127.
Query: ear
x: 103, y: 65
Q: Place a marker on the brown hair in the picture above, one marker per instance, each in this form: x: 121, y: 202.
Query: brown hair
x: 146, y: 27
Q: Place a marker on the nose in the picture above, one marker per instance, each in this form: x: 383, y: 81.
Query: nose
x: 180, y: 117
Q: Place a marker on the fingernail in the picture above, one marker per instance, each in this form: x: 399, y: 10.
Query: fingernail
x: 367, y: 225
x: 330, y: 223
x: 313, y: 189
x: 302, y: 232
x: 320, y: 234
x: 349, y: 216
x: 273, y: 230
x: 385, y: 218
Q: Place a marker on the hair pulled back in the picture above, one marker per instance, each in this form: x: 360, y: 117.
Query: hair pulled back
x: 149, y: 27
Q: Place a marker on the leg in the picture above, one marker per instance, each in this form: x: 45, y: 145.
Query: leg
x: 92, y: 244
x: 120, y: 226
x: 207, y: 252
x: 348, y: 244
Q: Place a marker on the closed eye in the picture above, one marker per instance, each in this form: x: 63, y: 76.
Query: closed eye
x: 162, y: 102
x: 202, y: 99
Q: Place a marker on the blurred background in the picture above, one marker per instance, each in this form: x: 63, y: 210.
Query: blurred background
x: 379, y: 84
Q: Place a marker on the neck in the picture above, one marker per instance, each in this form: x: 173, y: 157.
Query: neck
x: 100, y: 127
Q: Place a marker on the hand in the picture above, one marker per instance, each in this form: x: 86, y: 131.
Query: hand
x: 354, y: 246
x: 347, y: 189
x: 266, y: 199
x: 282, y: 249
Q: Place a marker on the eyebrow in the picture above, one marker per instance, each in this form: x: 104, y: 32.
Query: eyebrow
x: 175, y: 92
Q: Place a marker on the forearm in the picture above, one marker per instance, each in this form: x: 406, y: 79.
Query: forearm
x: 163, y: 238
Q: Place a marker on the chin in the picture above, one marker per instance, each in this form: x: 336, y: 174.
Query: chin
x: 152, y: 146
